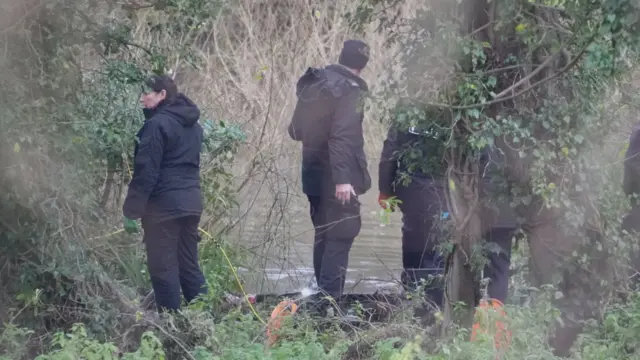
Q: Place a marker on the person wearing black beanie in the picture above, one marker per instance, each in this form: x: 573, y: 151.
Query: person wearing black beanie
x: 328, y: 119
x: 354, y: 55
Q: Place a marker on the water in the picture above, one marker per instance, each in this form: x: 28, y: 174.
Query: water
x: 279, y: 236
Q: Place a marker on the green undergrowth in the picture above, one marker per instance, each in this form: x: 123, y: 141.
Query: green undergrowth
x: 198, y: 333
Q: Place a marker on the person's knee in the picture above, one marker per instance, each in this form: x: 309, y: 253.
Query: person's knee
x: 415, y: 239
x: 335, y: 257
x: 191, y: 276
x: 164, y: 279
x: 162, y: 267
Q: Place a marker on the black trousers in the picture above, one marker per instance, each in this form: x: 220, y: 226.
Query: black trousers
x: 498, y: 262
x: 336, y: 226
x: 423, y: 207
x: 172, y: 259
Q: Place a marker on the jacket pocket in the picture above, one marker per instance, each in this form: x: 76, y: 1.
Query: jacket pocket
x: 343, y: 220
x: 365, y: 178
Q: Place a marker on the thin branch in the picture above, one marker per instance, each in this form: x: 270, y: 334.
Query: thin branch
x: 497, y: 101
x: 560, y: 11
x: 535, y: 72
x: 136, y: 6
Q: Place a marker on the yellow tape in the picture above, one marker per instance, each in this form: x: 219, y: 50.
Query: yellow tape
x: 235, y: 274
x: 224, y: 253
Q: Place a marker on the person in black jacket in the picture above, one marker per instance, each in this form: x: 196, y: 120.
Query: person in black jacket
x: 328, y: 120
x: 165, y: 194
x: 422, y: 203
x: 417, y: 154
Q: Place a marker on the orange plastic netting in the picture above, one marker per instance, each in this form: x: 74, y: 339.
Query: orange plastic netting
x: 284, y: 308
x: 482, y: 324
x: 498, y: 329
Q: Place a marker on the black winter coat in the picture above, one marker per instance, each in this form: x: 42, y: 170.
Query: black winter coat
x: 328, y: 121
x: 428, y: 145
x: 413, y: 151
x: 166, y: 175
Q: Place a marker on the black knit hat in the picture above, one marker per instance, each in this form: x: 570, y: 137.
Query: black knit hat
x: 158, y: 83
x: 354, y: 54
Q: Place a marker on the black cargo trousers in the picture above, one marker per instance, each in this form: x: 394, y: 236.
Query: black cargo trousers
x: 423, y: 210
x: 422, y: 205
x: 172, y: 260
x: 336, y: 226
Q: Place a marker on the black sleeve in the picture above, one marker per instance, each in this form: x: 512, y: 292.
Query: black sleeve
x: 295, y: 127
x: 632, y: 165
x: 388, y: 165
x: 346, y: 130
x: 146, y: 169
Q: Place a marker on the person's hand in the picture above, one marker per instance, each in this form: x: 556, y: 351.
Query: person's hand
x: 382, y: 200
x: 344, y: 192
x: 130, y: 226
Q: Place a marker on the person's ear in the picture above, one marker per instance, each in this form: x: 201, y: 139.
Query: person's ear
x: 163, y: 94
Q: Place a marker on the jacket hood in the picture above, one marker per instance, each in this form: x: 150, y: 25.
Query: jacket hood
x: 328, y: 76
x: 311, y: 76
x: 342, y: 70
x: 183, y: 110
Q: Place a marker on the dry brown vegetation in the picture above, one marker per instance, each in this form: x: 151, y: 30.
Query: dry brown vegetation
x: 253, y: 58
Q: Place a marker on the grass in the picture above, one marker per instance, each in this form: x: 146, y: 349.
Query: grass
x: 251, y: 59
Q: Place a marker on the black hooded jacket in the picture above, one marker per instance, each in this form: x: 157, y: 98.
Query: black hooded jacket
x: 414, y: 151
x: 328, y: 121
x: 166, y: 175
x: 420, y: 153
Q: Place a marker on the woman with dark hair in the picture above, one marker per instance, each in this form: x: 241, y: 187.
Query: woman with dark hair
x: 165, y: 194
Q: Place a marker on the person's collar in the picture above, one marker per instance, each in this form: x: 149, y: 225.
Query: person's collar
x: 149, y: 113
x: 348, y: 73
x: 353, y: 72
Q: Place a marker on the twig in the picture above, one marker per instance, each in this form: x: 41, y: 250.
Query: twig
x: 179, y: 343
x: 136, y: 6
x: 528, y: 77
x: 497, y: 101
x: 560, y: 11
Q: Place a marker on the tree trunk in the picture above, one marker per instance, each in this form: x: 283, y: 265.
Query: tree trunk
x: 552, y: 246
x: 460, y: 276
